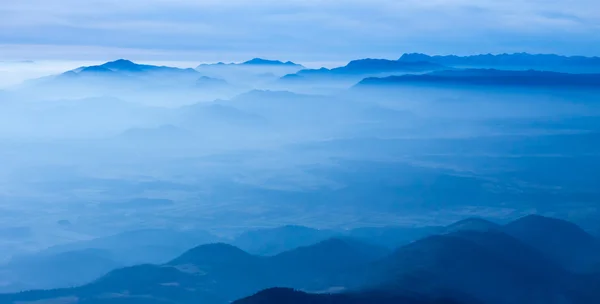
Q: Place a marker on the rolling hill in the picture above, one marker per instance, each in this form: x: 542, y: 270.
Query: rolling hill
x: 472, y: 261
x: 562, y: 241
x: 219, y: 273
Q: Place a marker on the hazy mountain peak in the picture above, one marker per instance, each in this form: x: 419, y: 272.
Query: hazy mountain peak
x: 260, y: 61
x: 335, y: 249
x: 207, y: 81
x: 535, y: 221
x: 563, y: 241
x: 414, y: 57
x: 124, y: 65
x: 212, y: 253
x: 472, y: 224
x: 120, y: 63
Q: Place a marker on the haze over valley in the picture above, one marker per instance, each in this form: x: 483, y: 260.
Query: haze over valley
x: 175, y: 152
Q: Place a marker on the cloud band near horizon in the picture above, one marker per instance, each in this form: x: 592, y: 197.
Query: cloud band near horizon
x: 296, y: 30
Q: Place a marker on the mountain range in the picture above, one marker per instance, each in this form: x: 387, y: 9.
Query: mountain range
x: 129, y: 68
x: 114, y: 78
x: 491, y: 77
x: 520, y: 61
x: 255, y: 62
x: 218, y: 273
x: 124, y: 72
x: 252, y: 72
x: 472, y: 261
x: 518, y: 68
x: 358, y: 69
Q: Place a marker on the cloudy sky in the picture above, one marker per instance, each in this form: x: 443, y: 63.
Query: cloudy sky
x: 301, y: 30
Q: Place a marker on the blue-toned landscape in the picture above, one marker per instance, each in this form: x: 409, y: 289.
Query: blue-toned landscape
x: 299, y: 153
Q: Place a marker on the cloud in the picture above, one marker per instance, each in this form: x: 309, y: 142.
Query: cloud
x: 317, y: 29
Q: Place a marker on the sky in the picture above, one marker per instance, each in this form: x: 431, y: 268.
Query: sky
x: 299, y: 30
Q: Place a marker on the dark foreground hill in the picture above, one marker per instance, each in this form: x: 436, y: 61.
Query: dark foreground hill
x: 487, y: 266
x: 474, y: 261
x: 290, y: 296
x: 563, y: 242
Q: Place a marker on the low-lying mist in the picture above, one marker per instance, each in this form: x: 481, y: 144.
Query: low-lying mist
x: 105, y: 149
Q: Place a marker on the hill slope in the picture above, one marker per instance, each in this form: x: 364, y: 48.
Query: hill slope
x: 290, y: 296
x: 563, y: 242
x: 219, y: 273
x: 491, y: 267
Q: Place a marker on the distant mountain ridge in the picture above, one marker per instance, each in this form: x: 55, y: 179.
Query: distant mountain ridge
x: 254, y: 62
x: 491, y: 77
x: 422, y: 63
x: 115, y: 76
x: 250, y: 74
x: 127, y: 66
x: 524, y: 60
x: 364, y: 67
x: 260, y: 61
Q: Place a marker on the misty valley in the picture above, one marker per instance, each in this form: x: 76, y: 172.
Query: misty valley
x: 419, y: 180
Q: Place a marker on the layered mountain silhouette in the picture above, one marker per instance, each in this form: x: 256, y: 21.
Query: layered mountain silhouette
x: 129, y: 67
x: 218, y: 273
x: 251, y: 72
x: 210, y: 82
x: 260, y: 61
x: 255, y: 62
x: 140, y: 246
x: 125, y: 70
x: 471, y: 261
x: 563, y: 242
x: 361, y: 68
x: 512, y: 61
x: 393, y: 236
x: 487, y: 266
x: 491, y: 77
x: 271, y: 241
x: 288, y: 109
x: 120, y: 78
